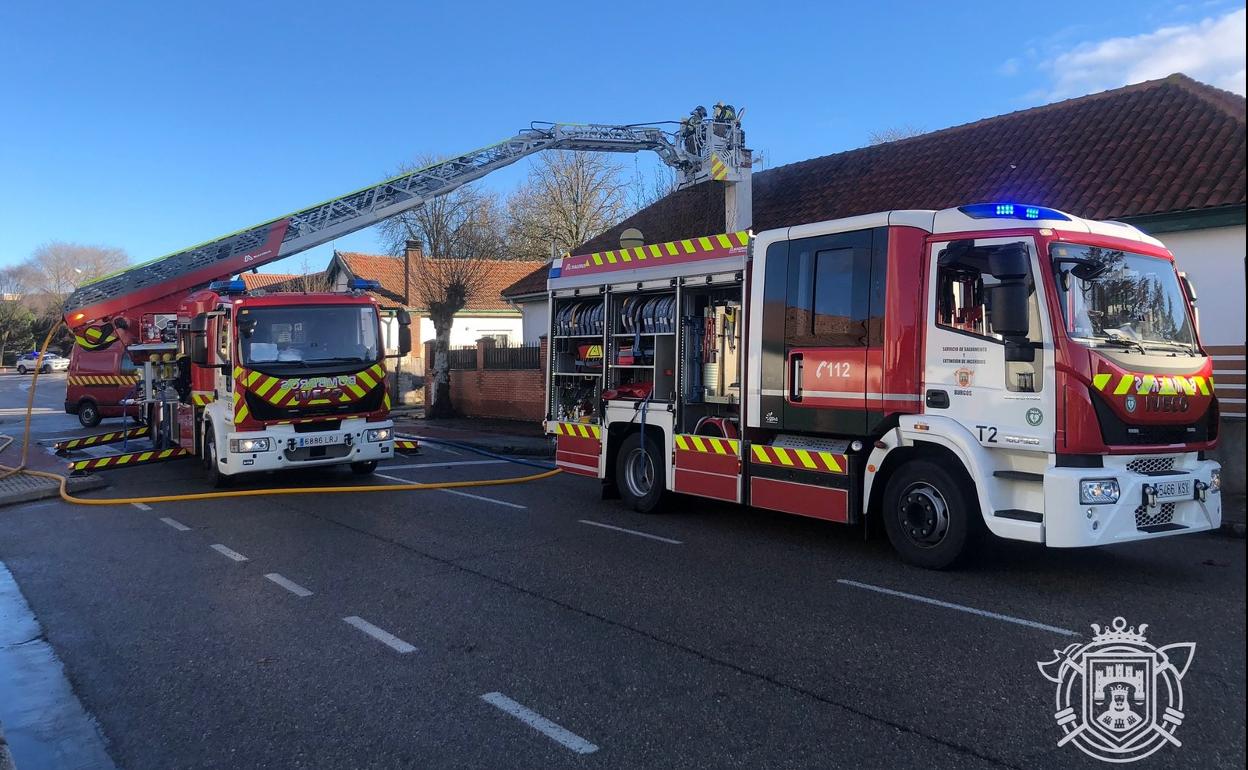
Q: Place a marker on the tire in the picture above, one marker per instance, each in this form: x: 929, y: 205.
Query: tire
x: 47, y: 369
x: 212, y: 468
x: 365, y: 468
x: 930, y: 514
x: 21, y: 368
x: 640, y: 474
x: 88, y: 413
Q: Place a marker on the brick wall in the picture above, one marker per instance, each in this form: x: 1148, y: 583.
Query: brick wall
x: 515, y: 394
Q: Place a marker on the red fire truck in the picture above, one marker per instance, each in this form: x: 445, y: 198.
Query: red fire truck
x: 998, y: 367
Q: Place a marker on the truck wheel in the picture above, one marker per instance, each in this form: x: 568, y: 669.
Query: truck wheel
x: 929, y: 514
x: 364, y: 468
x: 212, y: 468
x: 639, y: 474
x: 88, y: 414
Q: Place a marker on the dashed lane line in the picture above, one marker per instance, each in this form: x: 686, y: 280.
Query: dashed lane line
x: 631, y: 531
x: 228, y: 552
x: 289, y: 585
x: 560, y: 735
x: 142, y: 506
x: 960, y: 608
x: 457, y: 492
x: 381, y: 635
x: 447, y: 464
x: 179, y: 526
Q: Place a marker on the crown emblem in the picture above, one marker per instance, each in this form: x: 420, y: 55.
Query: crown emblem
x: 1119, y: 633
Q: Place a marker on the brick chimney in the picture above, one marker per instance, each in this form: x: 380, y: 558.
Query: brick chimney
x: 412, y: 250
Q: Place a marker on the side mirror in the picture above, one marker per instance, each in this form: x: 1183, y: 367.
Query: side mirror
x: 1009, y: 262
x: 199, y: 340
x: 405, y: 331
x: 1019, y: 351
x: 1009, y: 314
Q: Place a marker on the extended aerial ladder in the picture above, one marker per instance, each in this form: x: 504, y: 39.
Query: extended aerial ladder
x: 706, y: 149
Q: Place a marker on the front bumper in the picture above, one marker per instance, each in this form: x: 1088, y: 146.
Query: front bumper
x: 1070, y: 524
x: 285, y: 451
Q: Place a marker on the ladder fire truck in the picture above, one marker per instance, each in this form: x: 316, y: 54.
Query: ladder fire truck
x: 999, y: 367
x: 266, y: 381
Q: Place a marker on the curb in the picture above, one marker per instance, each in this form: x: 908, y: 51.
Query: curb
x: 74, y: 484
x: 527, y: 449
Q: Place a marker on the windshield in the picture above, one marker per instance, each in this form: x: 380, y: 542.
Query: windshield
x: 1117, y: 298
x: 309, y: 334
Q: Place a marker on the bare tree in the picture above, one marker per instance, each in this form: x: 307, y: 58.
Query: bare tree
x: 460, y: 238
x: 308, y: 279
x: 57, y: 268
x: 646, y: 190
x: 568, y: 198
x: 896, y: 133
x: 16, y: 320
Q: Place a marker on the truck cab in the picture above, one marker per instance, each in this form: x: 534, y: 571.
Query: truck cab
x: 284, y: 380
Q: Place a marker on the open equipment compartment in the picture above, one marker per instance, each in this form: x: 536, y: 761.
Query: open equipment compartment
x: 711, y: 356
x: 577, y: 345
x: 642, y: 362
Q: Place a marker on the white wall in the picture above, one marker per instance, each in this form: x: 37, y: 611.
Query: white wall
x: 468, y: 329
x: 1214, y: 260
x: 536, y: 319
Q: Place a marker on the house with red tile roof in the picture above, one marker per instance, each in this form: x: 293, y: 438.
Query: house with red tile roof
x: 1167, y: 156
x: 487, y: 313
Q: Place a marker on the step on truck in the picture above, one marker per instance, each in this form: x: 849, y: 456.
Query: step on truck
x: 998, y: 368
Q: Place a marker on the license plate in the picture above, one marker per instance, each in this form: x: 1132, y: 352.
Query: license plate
x: 321, y: 439
x: 1167, y: 489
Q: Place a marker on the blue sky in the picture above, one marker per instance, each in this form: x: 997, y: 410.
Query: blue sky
x: 134, y: 125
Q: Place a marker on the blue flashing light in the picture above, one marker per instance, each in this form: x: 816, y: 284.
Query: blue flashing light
x: 1011, y: 211
x: 228, y: 287
x: 363, y: 284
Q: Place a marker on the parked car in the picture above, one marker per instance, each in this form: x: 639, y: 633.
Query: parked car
x: 98, y: 381
x: 51, y: 363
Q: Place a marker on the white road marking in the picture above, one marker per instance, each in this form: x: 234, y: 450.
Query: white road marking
x: 457, y: 492
x: 447, y: 464
x: 235, y: 555
x: 179, y: 526
x: 961, y: 608
x: 142, y: 506
x: 289, y: 585
x: 630, y: 531
x: 385, y: 637
x: 540, y: 723
x: 485, y: 499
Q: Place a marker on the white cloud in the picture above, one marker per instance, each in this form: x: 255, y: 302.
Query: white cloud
x: 1212, y: 51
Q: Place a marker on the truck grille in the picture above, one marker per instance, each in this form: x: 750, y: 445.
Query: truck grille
x: 1164, y: 515
x: 1151, y: 464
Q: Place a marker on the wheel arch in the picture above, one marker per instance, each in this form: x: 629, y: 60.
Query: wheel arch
x: 618, y: 431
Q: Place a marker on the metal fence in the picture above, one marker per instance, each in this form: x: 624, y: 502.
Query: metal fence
x: 463, y: 357
x: 517, y: 357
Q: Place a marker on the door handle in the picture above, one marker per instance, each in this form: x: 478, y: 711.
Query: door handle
x: 795, y: 379
x: 937, y: 399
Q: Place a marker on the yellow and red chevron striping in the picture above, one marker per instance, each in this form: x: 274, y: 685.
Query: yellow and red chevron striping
x: 102, y: 438
x: 579, y: 429
x: 711, y: 444
x: 799, y: 459
x: 128, y: 459
x: 102, y: 379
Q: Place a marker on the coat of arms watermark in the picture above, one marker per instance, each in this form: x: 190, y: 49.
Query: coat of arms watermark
x: 1119, y: 698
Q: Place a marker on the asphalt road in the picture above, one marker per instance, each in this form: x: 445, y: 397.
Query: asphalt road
x: 538, y: 626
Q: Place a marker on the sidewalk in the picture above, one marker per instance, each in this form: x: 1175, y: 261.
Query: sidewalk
x: 509, y: 437
x: 23, y: 488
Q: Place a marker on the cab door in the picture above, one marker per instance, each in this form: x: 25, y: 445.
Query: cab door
x: 827, y: 331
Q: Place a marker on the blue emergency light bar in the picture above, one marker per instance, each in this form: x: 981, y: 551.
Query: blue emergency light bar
x: 363, y: 284
x: 1011, y: 211
x: 228, y: 287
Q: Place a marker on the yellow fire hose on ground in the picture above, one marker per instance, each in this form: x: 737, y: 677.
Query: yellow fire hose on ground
x: 6, y: 471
